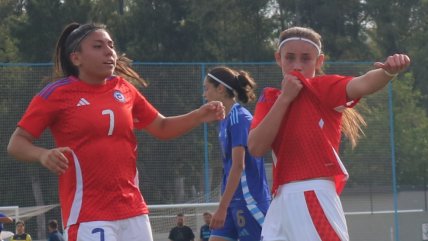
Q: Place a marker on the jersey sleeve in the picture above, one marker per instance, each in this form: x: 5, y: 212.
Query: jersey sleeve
x: 143, y: 111
x: 264, y: 104
x: 239, y: 128
x: 332, y: 90
x: 39, y: 115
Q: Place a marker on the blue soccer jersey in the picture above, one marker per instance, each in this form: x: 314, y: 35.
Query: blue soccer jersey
x: 1, y: 224
x: 233, y: 132
x: 248, y: 207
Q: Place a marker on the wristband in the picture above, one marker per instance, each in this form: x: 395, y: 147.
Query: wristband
x: 389, y: 74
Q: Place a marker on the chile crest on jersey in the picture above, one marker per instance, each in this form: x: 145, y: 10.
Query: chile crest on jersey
x: 119, y: 96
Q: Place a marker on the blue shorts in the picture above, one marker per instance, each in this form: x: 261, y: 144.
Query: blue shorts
x: 242, y: 223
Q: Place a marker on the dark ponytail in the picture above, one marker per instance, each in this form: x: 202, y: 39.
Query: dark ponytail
x: 69, y: 42
x: 62, y: 64
x: 242, y: 84
x: 124, y: 69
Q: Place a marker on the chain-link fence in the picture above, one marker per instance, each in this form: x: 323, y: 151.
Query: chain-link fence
x: 188, y: 169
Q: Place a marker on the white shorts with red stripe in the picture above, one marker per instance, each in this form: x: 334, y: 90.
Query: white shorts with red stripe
x: 306, y: 210
x: 135, y: 228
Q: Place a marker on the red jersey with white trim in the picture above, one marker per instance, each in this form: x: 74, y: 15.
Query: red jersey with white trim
x: 307, y: 142
x: 97, y: 122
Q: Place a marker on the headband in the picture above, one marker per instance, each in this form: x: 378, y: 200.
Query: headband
x: 302, y: 39
x: 221, y: 82
x: 83, y: 34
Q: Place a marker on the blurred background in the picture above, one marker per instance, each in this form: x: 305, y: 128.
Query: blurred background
x: 174, y: 43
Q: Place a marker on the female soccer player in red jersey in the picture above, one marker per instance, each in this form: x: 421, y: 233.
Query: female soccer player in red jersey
x: 92, y: 113
x: 302, y: 124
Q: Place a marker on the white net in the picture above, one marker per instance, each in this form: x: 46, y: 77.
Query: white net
x: 11, y: 211
x: 25, y: 213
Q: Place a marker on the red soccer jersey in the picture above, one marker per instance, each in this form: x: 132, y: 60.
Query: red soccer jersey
x: 307, y: 142
x: 97, y: 122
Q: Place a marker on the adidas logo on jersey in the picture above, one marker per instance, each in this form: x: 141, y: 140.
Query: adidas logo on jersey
x: 82, y: 102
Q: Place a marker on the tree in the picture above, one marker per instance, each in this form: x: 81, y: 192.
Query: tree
x: 159, y: 30
x: 234, y: 30
x: 401, y: 26
x: 340, y: 23
x: 417, y: 47
x: 8, y: 48
x: 411, y: 128
x: 389, y: 22
x: 186, y: 30
x: 37, y: 38
x: 44, y: 20
x: 373, y: 165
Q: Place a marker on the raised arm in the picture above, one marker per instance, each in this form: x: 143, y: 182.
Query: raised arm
x: 261, y: 137
x: 376, y: 79
x: 170, y: 127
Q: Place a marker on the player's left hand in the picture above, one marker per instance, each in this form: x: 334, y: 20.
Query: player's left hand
x: 394, y: 63
x: 211, y: 111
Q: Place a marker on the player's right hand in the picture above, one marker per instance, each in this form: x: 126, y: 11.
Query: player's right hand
x: 212, y: 111
x: 55, y: 160
x: 218, y: 219
x: 290, y: 87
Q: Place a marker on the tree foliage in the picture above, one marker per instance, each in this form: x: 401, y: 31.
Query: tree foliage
x: 410, y: 128
x: 341, y: 23
x: 8, y: 43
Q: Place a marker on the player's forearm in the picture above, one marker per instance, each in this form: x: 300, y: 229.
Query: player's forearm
x: 367, y: 84
x: 260, y: 139
x: 175, y: 126
x: 6, y: 220
x: 21, y: 148
x: 233, y: 181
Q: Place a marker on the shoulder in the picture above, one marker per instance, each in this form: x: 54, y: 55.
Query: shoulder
x: 332, y: 87
x: 330, y: 79
x: 129, y: 89
x: 56, y: 87
x: 269, y: 94
x: 53, y: 236
x: 239, y: 114
x: 123, y: 82
x: 242, y: 110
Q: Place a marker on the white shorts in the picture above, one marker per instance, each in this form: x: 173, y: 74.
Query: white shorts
x: 135, y: 228
x: 306, y: 210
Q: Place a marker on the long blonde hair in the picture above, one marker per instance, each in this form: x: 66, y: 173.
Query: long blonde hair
x: 352, y: 121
